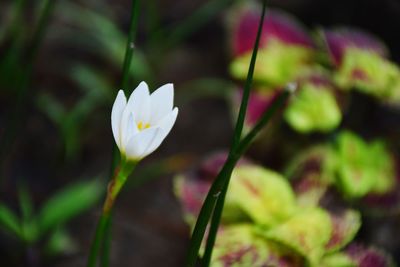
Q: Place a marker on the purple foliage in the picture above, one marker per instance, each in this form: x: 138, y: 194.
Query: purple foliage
x: 277, y: 25
x: 339, y: 40
x: 367, y: 257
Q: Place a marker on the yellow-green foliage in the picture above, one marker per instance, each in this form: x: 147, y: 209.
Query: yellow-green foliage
x: 313, y: 108
x: 277, y: 63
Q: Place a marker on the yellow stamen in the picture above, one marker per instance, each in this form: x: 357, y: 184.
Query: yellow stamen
x: 142, y: 126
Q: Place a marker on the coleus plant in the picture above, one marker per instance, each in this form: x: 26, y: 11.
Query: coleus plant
x: 360, y: 61
x: 285, y: 47
x: 303, y: 113
x: 265, y: 223
x: 363, y: 172
x: 356, y: 60
x: 287, y: 54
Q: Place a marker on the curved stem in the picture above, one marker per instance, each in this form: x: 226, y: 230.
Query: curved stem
x: 222, y: 180
x: 242, y: 147
x: 103, y: 225
x: 278, y: 103
x: 212, y: 233
x: 124, y: 85
x: 207, y: 209
x: 248, y: 84
x: 105, y: 254
x: 96, y: 245
x: 130, y: 45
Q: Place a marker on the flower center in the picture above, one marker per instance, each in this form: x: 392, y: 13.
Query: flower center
x: 142, y: 126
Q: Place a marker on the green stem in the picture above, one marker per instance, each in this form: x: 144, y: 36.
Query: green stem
x: 266, y: 117
x: 105, y: 255
x: 222, y: 180
x: 212, y: 233
x: 124, y: 85
x: 130, y: 45
x: 207, y: 209
x: 114, y: 188
x: 242, y: 147
x: 96, y: 245
x: 249, y: 82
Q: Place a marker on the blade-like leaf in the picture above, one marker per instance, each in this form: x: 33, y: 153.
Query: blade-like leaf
x: 9, y: 221
x: 68, y: 203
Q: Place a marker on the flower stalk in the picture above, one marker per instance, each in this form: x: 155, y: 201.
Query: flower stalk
x: 114, y: 187
x: 118, y: 181
x: 130, y: 45
x: 102, y: 239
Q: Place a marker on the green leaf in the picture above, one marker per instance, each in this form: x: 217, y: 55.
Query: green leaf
x: 362, y: 167
x: 367, y: 72
x: 9, y: 221
x: 69, y: 203
x: 243, y: 245
x: 307, y: 232
x: 277, y: 64
x: 345, y: 225
x: 29, y: 228
x: 263, y: 195
x: 337, y: 260
x: 238, y: 245
x: 314, y: 108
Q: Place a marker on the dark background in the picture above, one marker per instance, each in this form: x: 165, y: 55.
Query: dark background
x: 148, y: 228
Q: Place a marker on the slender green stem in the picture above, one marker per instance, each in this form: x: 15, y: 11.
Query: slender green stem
x: 105, y: 254
x: 278, y: 103
x: 207, y: 209
x: 114, y: 188
x: 212, y: 233
x: 130, y: 45
x: 124, y: 85
x: 96, y: 245
x: 249, y: 82
x: 242, y: 147
x: 222, y: 180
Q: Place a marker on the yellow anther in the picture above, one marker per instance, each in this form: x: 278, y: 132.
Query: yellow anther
x: 142, y: 126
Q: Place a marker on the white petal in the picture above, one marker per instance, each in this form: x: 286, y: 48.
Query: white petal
x: 139, y: 102
x: 140, y: 143
x: 131, y: 129
x: 116, y: 116
x: 166, y: 125
x: 158, y: 139
x: 168, y: 121
x: 162, y: 101
x: 139, y: 95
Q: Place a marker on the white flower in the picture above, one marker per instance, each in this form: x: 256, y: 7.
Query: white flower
x: 140, y: 125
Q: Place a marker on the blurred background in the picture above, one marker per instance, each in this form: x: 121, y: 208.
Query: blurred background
x: 55, y: 107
